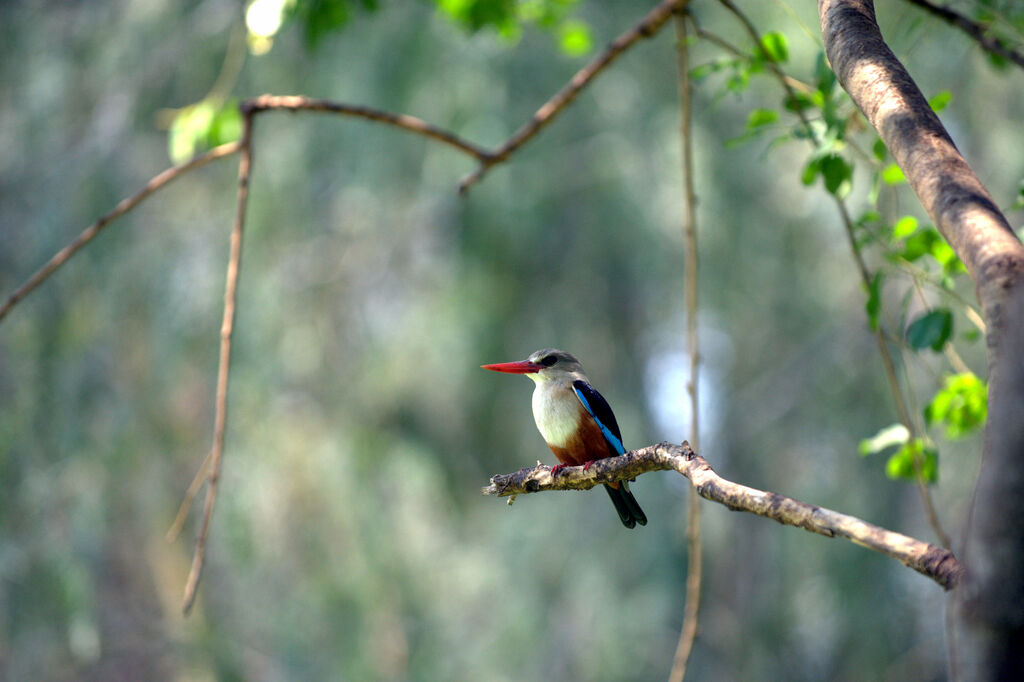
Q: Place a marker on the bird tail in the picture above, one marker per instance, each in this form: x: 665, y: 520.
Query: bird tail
x: 629, y: 510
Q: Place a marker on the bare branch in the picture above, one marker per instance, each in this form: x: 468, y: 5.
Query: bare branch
x: 220, y: 416
x: 935, y: 562
x: 647, y: 27
x: 975, y: 30
x: 694, y: 569
x: 263, y: 103
x: 123, y: 207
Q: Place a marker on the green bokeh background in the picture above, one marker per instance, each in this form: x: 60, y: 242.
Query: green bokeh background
x: 350, y: 540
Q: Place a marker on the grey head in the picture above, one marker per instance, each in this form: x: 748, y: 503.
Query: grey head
x: 556, y: 362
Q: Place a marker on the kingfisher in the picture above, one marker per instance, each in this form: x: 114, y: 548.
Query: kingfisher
x: 575, y: 420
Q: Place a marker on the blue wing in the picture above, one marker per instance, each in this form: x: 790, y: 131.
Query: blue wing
x: 602, y: 413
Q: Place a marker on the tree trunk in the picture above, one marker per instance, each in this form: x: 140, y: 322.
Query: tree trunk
x: 989, y: 604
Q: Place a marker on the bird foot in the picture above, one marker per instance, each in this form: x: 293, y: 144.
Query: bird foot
x: 587, y: 465
x: 555, y: 469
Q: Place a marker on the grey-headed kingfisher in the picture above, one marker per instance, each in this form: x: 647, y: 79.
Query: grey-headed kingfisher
x: 575, y: 420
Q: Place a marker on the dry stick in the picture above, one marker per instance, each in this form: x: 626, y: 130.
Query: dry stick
x: 647, y: 27
x: 883, y: 348
x: 257, y: 105
x: 123, y: 207
x: 220, y: 417
x: 974, y: 29
x: 937, y: 563
x: 186, y: 503
x: 688, y: 632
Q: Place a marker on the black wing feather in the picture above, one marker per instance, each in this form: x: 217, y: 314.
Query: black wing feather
x: 600, y: 409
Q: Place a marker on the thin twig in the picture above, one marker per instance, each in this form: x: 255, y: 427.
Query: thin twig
x: 257, y: 105
x: 721, y: 42
x: 937, y: 563
x: 123, y: 207
x: 647, y: 27
x: 186, y: 503
x: 227, y: 325
x: 694, y: 570
x: 865, y: 274
x: 975, y: 30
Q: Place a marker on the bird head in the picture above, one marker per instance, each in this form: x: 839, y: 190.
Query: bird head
x: 542, y: 365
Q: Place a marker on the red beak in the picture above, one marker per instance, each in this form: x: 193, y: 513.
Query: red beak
x: 521, y: 367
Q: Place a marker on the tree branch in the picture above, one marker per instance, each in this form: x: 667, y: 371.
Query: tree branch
x: 227, y: 326
x: 937, y: 563
x: 975, y: 30
x: 950, y: 192
x: 123, y: 207
x: 257, y: 105
x: 647, y: 27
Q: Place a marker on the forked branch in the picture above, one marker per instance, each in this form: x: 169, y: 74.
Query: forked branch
x: 937, y: 563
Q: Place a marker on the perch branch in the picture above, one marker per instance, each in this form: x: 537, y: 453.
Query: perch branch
x: 935, y: 562
x: 647, y: 27
x: 227, y: 325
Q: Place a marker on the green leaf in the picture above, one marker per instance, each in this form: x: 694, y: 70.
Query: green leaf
x: 702, y: 71
x: 942, y: 252
x: 890, y: 436
x: 574, y: 38
x: 811, y: 171
x: 202, y: 126
x: 838, y: 175
x: 824, y: 77
x: 189, y: 130
x: 740, y: 78
x: 901, y: 464
x: 920, y: 243
x: 930, y: 330
x: 961, y: 405
x: 799, y: 101
x: 879, y: 149
x: 893, y: 175
x: 775, y: 46
x: 761, y: 117
x: 322, y: 17
x: 904, y: 227
x: 874, y: 304
x: 226, y: 125
x: 940, y: 101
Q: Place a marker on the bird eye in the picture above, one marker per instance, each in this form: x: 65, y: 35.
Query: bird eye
x: 548, y: 360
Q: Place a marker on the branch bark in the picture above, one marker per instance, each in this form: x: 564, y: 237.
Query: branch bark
x: 937, y: 563
x: 990, y: 607
x: 227, y: 326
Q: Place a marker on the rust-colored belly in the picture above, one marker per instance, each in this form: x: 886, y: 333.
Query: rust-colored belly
x: 586, y: 444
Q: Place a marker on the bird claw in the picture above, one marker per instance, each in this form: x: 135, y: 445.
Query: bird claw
x: 555, y: 469
x: 587, y: 465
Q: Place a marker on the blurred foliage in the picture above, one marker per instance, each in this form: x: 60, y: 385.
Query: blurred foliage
x: 350, y: 540
x: 203, y: 126
x: 961, y: 405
